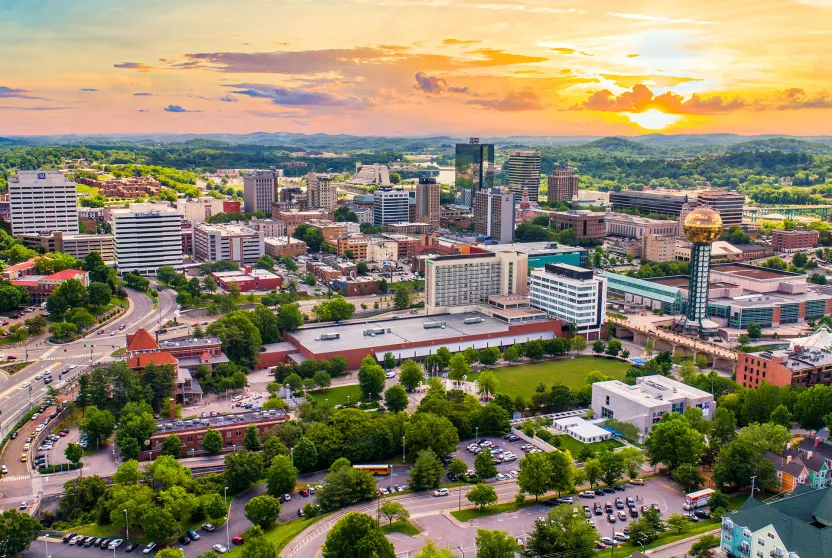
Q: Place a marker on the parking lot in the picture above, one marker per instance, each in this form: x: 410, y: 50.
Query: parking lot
x: 499, y: 446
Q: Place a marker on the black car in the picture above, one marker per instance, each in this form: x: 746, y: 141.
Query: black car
x: 131, y: 547
x: 14, y: 435
x: 609, y: 489
x: 599, y: 492
x: 183, y: 540
x: 633, y: 513
x: 619, y: 488
x: 549, y: 503
x: 702, y: 514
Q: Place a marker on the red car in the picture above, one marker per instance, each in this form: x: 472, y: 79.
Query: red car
x: 237, y: 540
x: 11, y: 357
x: 304, y: 492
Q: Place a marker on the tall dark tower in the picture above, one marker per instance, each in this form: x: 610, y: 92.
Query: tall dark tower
x: 702, y: 227
x: 474, y: 165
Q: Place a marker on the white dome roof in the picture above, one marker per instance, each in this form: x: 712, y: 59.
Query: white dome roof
x: 820, y: 339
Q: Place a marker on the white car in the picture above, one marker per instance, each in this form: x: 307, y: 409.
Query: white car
x: 72, y: 366
x: 114, y: 544
x: 23, y: 505
x: 39, y: 377
x: 149, y: 548
x: 219, y: 549
x: 24, y: 385
x: 390, y: 374
x: 3, y: 469
x: 441, y: 492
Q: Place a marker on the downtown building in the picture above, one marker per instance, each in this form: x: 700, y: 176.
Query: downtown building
x: 76, y: 245
x: 146, y: 237
x: 794, y: 241
x: 727, y: 204
x: 321, y: 191
x: 660, y: 203
x: 524, y: 174
x: 390, y: 206
x: 571, y: 294
x: 563, y: 185
x: 469, y: 280
x: 474, y: 167
x: 259, y: 189
x: 42, y: 202
x: 232, y: 242
x: 427, y: 201
x: 494, y: 215
x: 588, y: 225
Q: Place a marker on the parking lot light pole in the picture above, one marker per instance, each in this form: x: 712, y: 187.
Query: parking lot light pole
x: 227, y: 518
x: 126, y: 524
x: 404, y: 446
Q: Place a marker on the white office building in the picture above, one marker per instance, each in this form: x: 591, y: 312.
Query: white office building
x: 232, y: 242
x: 259, y: 189
x: 572, y: 294
x: 390, y: 206
x: 643, y: 404
x: 42, y: 201
x: 147, y: 236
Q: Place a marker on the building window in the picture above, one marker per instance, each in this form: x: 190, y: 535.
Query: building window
x: 608, y: 400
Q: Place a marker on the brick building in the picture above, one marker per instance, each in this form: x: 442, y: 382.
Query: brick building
x: 794, y: 241
x: 40, y: 287
x: 248, y: 279
x: 277, y: 247
x: 805, y: 363
x: 588, y: 225
x: 563, y: 185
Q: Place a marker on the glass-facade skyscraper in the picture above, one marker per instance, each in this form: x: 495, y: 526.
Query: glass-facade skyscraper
x: 474, y: 165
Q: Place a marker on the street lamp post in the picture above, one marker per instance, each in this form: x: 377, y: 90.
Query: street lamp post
x: 404, y: 447
x: 292, y: 454
x: 126, y: 524
x: 477, y: 438
x: 227, y: 519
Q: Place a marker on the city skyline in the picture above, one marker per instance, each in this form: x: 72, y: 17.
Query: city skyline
x: 438, y: 67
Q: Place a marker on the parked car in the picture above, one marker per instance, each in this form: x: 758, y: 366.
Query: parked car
x: 611, y: 518
x: 69, y: 536
x: 219, y: 549
x: 131, y: 547
x: 441, y: 492
x: 115, y: 543
x: 702, y: 514
x: 193, y: 535
x: 104, y: 544
x: 208, y: 527
x: 237, y: 540
x: 184, y: 540
x: 150, y: 547
x: 637, y: 482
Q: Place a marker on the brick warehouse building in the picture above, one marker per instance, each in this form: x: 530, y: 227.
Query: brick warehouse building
x: 232, y: 428
x: 588, y: 225
x: 794, y: 241
x: 415, y: 337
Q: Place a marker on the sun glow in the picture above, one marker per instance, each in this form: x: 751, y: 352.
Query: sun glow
x: 653, y: 119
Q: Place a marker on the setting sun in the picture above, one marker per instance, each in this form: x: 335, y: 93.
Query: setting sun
x: 653, y: 119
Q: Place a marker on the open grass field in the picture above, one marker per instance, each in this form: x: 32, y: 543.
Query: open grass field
x: 523, y: 378
x: 575, y: 447
x: 337, y: 395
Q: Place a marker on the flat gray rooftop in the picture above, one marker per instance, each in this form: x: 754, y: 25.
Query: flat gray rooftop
x: 405, y: 330
x: 164, y: 425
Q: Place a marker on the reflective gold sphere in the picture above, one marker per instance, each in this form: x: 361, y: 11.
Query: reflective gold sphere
x: 703, y: 225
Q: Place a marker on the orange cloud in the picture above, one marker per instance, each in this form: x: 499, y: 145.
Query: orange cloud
x: 796, y: 98
x: 459, y: 42
x: 515, y: 101
x: 642, y: 99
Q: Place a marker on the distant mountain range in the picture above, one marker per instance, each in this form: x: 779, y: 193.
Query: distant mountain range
x: 644, y: 144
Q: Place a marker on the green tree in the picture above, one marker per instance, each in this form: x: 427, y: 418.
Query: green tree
x: 688, y: 476
x: 172, y: 446
x: 215, y: 506
x: 391, y: 509
x: 73, y: 453
x: 813, y: 405
x: 130, y: 448
x: 484, y: 465
x: 411, y: 375
x: 336, y: 309
x: 263, y: 510
x: 426, y: 472
x: 242, y: 469
x: 389, y: 361
x: 166, y: 274
x: 17, y: 532
x: 562, y: 533
x: 306, y: 455
x: 535, y: 475
x: 489, y: 356
x: 633, y: 460
x: 598, y: 347
x: 482, y: 495
x: 240, y: 338
x: 266, y: 323
x: 257, y: 547
x: 782, y: 416
x: 36, y: 325
x: 430, y: 550
x: 371, y: 378
x: 401, y: 298
x: 99, y: 294
x: 356, y: 535
x: 800, y: 259
x: 212, y: 442
x: 593, y: 471
x: 281, y: 476
x: 674, y: 441
x: 613, y: 347
x: 426, y: 430
x: 158, y: 523
x: 678, y: 523
x: 97, y: 425
x: 495, y: 544
x: 459, y: 367
x: 251, y: 440
x: 457, y: 467
x: 577, y: 343
x: 754, y: 331
x: 395, y: 399
x: 322, y: 379
x: 128, y: 473
x: 487, y: 383
x: 701, y: 548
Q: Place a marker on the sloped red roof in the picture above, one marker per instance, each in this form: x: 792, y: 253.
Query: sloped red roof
x: 159, y: 359
x: 205, y: 356
x: 141, y: 341
x: 64, y: 275
x: 28, y: 264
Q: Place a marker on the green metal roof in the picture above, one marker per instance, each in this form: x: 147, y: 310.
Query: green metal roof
x: 640, y: 287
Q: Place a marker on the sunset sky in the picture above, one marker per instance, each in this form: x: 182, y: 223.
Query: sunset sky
x: 416, y: 67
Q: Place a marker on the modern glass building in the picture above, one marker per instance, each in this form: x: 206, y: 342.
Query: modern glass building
x: 474, y: 165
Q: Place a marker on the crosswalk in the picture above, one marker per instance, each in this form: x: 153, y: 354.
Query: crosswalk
x: 15, y: 478
x: 78, y: 357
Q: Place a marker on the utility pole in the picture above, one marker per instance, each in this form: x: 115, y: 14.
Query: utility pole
x: 754, y: 478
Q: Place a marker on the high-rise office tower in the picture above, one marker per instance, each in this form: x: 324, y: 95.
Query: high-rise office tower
x: 494, y: 215
x: 390, y: 206
x: 147, y: 236
x: 42, y: 201
x: 524, y: 172
x: 563, y: 185
x: 427, y: 201
x: 259, y: 189
x: 727, y: 204
x: 474, y: 166
x: 321, y: 191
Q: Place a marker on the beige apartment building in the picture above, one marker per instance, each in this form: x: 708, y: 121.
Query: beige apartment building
x: 468, y: 280
x: 658, y: 248
x: 427, y: 201
x: 76, y: 245
x: 321, y: 191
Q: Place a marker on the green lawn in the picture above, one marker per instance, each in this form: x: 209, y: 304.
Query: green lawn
x: 282, y: 533
x: 474, y: 513
x: 575, y: 447
x: 523, y: 378
x: 672, y: 536
x: 337, y: 395
x: 406, y: 528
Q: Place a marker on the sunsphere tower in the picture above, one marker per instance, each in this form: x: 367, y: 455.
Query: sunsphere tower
x: 702, y: 227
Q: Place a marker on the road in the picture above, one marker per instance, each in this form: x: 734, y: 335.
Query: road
x: 63, y: 360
